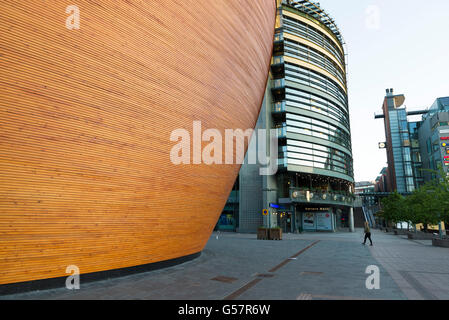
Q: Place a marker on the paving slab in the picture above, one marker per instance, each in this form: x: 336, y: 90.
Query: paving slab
x: 308, y: 266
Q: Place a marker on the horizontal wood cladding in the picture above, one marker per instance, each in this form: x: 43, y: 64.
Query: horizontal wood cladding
x: 86, y: 117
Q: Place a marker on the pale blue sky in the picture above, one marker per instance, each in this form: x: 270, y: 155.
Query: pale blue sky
x: 408, y: 51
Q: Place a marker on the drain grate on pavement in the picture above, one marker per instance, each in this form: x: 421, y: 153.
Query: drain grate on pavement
x: 311, y: 273
x: 224, y: 279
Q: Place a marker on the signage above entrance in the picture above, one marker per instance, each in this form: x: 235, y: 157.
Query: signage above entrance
x: 317, y: 209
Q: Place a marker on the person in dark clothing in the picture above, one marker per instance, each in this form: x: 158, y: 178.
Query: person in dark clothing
x: 367, y: 234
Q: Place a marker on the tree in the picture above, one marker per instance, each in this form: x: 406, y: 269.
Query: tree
x: 427, y: 205
x: 436, y: 200
x: 422, y: 206
x: 394, y: 208
x: 442, y: 194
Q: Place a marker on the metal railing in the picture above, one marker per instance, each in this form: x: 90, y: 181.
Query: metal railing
x: 369, y: 216
x: 277, y: 60
x: 278, y: 37
x: 282, y: 132
x: 278, y: 83
x: 279, y: 107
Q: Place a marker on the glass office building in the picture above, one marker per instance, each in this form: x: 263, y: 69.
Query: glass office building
x: 310, y: 108
x: 306, y: 102
x: 400, y: 139
x: 416, y: 157
x: 414, y: 147
x: 399, y: 133
x: 434, y: 138
x: 310, y: 93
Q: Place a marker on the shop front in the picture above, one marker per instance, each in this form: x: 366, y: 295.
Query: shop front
x: 315, y: 219
x: 283, y: 217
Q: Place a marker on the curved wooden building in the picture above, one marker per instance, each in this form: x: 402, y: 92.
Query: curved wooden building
x: 86, y: 118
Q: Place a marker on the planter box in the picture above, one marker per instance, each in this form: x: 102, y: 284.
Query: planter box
x: 275, y: 234
x: 440, y: 243
x: 262, y: 234
x: 420, y: 236
x: 269, y: 234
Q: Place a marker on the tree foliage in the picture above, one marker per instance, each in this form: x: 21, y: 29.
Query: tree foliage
x: 393, y: 208
x: 427, y: 205
x: 423, y: 206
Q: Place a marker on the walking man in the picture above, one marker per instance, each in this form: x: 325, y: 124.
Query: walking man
x: 367, y: 233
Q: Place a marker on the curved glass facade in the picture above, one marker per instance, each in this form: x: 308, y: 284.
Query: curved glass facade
x: 309, y: 73
x: 305, y: 31
x: 296, y: 50
x: 317, y: 81
x: 307, y: 103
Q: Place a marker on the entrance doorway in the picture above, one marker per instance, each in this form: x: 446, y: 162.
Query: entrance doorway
x: 286, y: 222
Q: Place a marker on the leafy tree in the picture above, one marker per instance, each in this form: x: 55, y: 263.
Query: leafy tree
x: 423, y: 207
x: 394, y: 208
x: 427, y: 205
x: 441, y: 187
x: 435, y: 202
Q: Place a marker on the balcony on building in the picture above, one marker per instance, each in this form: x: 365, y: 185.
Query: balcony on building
x: 278, y: 89
x: 282, y: 163
x: 278, y: 67
x: 278, y: 47
x: 278, y: 110
x: 281, y: 130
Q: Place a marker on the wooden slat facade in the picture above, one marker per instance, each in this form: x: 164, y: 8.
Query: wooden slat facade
x: 86, y: 117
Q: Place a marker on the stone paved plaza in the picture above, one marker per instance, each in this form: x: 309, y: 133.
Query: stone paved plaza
x: 319, y: 266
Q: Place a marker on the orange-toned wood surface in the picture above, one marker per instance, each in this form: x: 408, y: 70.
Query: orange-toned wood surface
x: 86, y: 117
